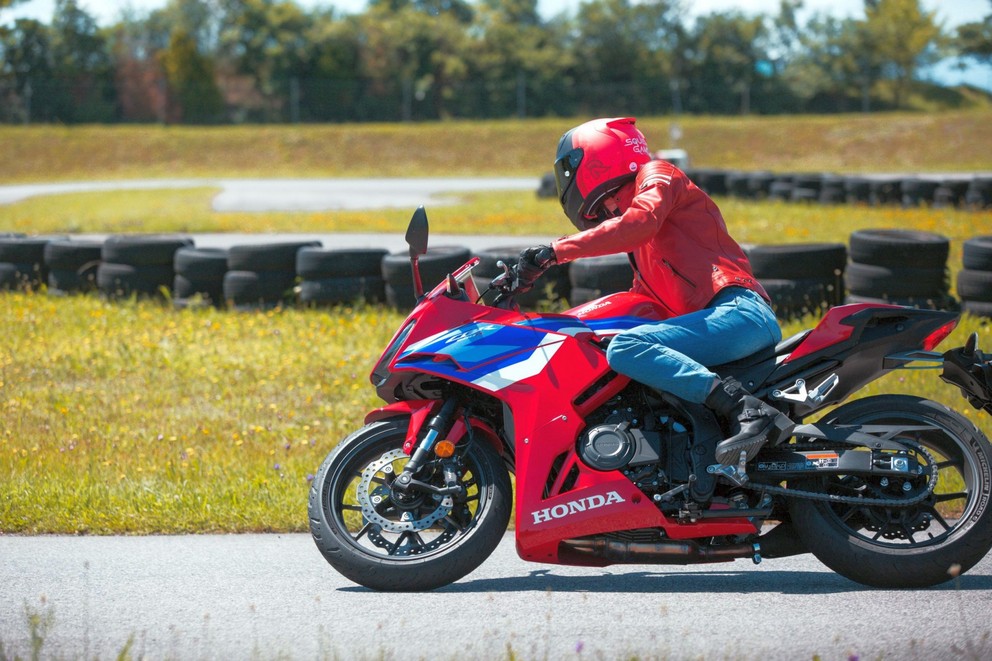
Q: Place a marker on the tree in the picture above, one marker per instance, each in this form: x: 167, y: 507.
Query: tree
x: 81, y: 62
x: 903, y: 37
x: 27, y: 68
x: 614, y: 67
x: 975, y: 39
x: 420, y: 55
x: 728, y: 47
x: 266, y: 40
x: 517, y: 64
x: 836, y: 64
x: 195, y: 97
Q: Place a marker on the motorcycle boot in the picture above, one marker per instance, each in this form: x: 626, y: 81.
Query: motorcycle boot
x: 752, y: 422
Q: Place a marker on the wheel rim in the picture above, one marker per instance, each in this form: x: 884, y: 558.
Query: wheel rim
x: 385, y: 523
x: 943, y: 514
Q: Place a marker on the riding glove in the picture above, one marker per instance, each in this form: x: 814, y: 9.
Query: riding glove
x: 532, y: 263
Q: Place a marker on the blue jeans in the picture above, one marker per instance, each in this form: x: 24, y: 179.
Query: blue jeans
x: 671, y: 355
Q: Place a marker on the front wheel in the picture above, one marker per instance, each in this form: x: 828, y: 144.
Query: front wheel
x: 390, y: 539
x: 920, y: 545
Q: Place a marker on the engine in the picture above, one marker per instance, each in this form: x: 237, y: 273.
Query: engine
x: 641, y: 438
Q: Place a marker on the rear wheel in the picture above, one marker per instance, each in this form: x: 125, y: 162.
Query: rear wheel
x: 394, y: 540
x: 920, y: 545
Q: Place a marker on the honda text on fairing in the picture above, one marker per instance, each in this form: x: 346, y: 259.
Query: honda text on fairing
x: 887, y: 490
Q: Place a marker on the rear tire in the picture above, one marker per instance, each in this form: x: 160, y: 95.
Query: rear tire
x: 358, y: 521
x: 917, y: 546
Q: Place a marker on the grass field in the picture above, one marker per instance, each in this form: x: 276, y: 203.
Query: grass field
x: 901, y: 142
x: 135, y: 417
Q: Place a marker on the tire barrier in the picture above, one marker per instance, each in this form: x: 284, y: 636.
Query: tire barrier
x: 800, y: 278
x: 334, y: 276
x: 826, y: 188
x: 957, y: 190
x: 199, y: 275
x: 593, y: 277
x: 977, y: 253
x: 434, y: 267
x: 72, y: 265
x: 262, y: 275
x: 902, y: 267
x: 548, y: 187
x: 553, y: 285
x: 979, y: 193
x: 974, y: 282
x: 139, y: 264
x: 877, y: 265
x: 22, y: 262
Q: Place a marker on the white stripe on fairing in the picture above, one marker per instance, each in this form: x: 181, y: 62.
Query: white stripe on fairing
x: 507, y: 376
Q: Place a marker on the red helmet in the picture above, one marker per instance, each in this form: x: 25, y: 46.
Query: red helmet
x: 594, y: 160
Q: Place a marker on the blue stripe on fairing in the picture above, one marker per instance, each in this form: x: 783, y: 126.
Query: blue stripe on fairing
x: 483, y: 353
x: 475, y: 344
x: 494, y: 355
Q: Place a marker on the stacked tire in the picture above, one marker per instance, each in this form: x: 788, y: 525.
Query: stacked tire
x: 434, y: 267
x: 72, y: 265
x: 800, y: 278
x: 262, y: 275
x: 552, y: 286
x: 22, y: 262
x: 141, y: 265
x: 199, y: 276
x: 902, y: 267
x: 594, y: 277
x: 332, y: 276
x: 974, y: 283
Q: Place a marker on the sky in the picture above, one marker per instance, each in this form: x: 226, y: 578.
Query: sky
x: 950, y: 12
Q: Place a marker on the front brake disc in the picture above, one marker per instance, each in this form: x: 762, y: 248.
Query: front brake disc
x: 384, y: 464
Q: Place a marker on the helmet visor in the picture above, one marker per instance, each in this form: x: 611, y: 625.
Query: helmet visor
x: 568, y: 193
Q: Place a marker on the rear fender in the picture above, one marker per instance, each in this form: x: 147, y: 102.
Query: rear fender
x: 970, y: 369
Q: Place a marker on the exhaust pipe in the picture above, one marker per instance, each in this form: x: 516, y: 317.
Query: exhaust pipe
x: 601, y: 551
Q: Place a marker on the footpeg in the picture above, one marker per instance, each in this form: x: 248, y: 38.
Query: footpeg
x: 734, y: 474
x: 797, y: 392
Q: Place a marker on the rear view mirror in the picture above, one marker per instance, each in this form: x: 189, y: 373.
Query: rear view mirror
x: 416, y: 238
x: 417, y: 232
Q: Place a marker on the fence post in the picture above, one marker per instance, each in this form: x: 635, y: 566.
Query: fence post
x: 521, y: 95
x: 406, y: 111
x: 27, y: 101
x: 294, y: 100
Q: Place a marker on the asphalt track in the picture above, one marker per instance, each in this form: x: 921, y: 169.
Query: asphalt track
x: 273, y: 596
x: 307, y: 195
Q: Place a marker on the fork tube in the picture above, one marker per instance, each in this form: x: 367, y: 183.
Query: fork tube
x: 438, y: 424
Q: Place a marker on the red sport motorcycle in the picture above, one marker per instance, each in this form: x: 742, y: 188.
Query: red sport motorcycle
x: 889, y: 490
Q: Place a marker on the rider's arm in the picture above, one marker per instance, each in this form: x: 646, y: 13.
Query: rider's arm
x: 641, y: 221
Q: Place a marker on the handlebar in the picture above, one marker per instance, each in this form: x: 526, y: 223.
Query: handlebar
x: 507, y: 284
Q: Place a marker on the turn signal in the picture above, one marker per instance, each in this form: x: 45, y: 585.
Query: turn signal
x: 444, y: 449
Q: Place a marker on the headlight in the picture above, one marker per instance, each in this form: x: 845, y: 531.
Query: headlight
x: 381, y: 370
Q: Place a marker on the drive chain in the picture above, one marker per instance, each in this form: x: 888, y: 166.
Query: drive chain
x: 856, y: 500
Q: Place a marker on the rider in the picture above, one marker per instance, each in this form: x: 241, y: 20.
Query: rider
x: 683, y: 257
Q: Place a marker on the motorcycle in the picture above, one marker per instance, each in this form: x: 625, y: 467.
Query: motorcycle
x: 889, y: 490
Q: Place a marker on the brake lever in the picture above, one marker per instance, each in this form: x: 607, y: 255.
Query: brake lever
x: 505, y: 281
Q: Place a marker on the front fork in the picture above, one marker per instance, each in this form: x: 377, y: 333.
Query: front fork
x: 437, y: 426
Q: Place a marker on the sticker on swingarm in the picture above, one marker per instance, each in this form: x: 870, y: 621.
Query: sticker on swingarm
x: 801, y: 461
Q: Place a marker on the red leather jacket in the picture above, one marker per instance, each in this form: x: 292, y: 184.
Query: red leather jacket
x: 682, y: 252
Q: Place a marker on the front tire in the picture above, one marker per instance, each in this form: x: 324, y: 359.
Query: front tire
x: 905, y: 547
x: 392, y: 541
